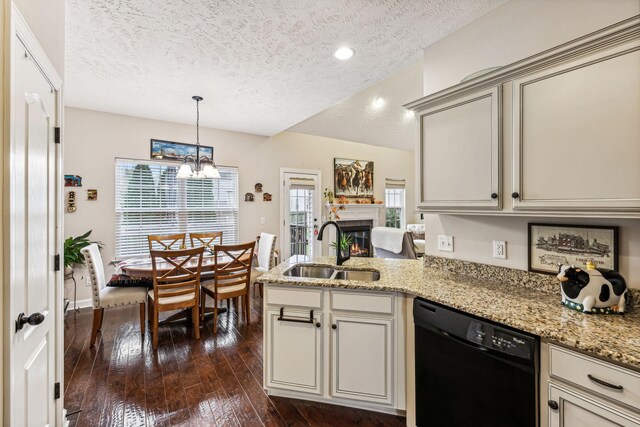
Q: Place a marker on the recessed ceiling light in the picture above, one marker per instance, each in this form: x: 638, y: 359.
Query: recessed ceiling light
x: 344, y: 53
x: 378, y: 103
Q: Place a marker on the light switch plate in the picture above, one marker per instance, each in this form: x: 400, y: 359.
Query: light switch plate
x: 445, y: 243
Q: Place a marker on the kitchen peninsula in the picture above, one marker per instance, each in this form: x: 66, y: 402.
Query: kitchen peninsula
x: 375, y: 318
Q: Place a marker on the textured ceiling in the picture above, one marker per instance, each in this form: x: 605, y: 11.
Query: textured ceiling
x: 358, y: 119
x: 261, y: 65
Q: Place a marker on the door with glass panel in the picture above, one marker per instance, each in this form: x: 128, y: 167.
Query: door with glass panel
x: 301, y: 213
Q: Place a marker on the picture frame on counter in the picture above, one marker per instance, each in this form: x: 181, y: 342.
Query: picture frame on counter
x: 553, y: 244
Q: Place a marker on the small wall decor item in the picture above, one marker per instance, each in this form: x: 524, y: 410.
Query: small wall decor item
x: 169, y: 150
x: 248, y: 197
x: 258, y: 188
x: 593, y: 290
x: 92, y: 194
x: 577, y: 245
x: 353, y: 178
x: 72, y: 181
x: 328, y: 195
x: 266, y: 197
x: 71, y: 202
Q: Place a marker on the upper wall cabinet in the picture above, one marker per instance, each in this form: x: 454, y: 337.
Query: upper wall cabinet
x: 460, y: 153
x: 576, y: 134
x: 568, y: 123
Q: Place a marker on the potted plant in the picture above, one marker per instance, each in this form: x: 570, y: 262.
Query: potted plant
x: 72, y: 254
x: 328, y: 195
x: 345, y: 242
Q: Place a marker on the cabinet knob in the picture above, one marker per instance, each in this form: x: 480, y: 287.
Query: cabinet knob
x: 553, y: 404
x: 494, y: 195
x: 334, y: 326
x: 515, y: 195
x: 318, y: 325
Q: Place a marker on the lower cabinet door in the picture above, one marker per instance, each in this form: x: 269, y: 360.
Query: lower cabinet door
x: 569, y: 408
x: 362, y: 358
x: 294, y: 351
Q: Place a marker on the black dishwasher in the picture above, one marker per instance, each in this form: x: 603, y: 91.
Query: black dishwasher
x: 472, y: 372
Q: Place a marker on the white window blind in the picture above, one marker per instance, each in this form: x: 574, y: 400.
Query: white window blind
x: 151, y: 200
x: 394, y: 203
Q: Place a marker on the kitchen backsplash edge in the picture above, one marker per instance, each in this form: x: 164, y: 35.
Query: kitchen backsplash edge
x: 508, y: 276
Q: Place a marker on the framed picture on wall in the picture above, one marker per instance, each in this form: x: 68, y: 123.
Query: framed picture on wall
x: 552, y: 244
x: 169, y: 150
x: 353, y: 178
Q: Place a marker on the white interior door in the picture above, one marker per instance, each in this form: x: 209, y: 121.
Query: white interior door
x: 32, y: 163
x: 300, y: 213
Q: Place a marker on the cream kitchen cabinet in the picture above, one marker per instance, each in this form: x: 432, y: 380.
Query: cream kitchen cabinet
x: 349, y: 351
x: 459, y: 153
x: 576, y: 134
x: 294, y: 350
x: 555, y: 134
x: 579, y: 390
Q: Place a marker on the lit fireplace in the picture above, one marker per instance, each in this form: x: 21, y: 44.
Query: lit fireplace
x: 360, y: 233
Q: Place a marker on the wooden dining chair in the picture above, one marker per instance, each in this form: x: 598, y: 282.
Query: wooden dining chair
x: 205, y: 239
x: 167, y: 241
x: 176, y: 286
x: 231, y: 280
x: 105, y: 296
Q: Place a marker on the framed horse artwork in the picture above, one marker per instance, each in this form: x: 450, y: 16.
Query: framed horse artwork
x: 353, y: 178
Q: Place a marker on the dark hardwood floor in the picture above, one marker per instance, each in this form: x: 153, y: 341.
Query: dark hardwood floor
x: 216, y: 380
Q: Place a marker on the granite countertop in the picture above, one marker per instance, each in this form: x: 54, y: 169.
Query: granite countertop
x: 526, y: 301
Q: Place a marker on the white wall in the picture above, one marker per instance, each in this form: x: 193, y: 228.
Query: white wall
x: 46, y: 21
x: 516, y: 30
x: 94, y: 139
x: 512, y: 32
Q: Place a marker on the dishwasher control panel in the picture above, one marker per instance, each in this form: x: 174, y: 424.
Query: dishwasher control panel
x: 498, y: 339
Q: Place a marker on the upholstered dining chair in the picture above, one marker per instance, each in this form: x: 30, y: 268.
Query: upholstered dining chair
x: 205, y: 239
x: 106, y: 296
x: 231, y: 280
x: 266, y: 258
x: 176, y: 285
x: 167, y: 241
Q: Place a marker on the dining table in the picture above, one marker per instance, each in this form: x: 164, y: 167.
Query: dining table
x: 143, y: 268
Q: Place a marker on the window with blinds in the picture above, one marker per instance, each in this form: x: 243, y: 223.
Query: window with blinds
x: 151, y: 200
x: 394, y: 203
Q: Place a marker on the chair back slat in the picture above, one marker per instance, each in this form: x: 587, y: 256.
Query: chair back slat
x: 233, y: 264
x: 167, y: 241
x: 205, y: 239
x: 182, y: 277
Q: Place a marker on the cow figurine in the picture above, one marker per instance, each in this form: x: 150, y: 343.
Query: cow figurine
x: 593, y: 290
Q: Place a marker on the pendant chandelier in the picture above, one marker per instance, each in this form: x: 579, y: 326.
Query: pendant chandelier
x: 203, y: 166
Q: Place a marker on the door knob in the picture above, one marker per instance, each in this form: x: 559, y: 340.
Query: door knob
x: 334, y: 326
x: 494, y: 195
x: 515, y: 195
x: 33, y: 320
x: 553, y: 404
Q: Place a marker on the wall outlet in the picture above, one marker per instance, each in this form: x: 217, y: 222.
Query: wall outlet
x: 87, y: 281
x: 445, y: 243
x: 263, y: 220
x: 500, y: 249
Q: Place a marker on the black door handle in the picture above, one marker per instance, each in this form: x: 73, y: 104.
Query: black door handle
x: 515, y: 195
x: 553, y: 404
x: 604, y: 383
x: 494, y: 195
x: 33, y: 320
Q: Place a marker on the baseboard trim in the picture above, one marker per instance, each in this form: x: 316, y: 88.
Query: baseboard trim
x: 81, y: 303
x: 338, y: 402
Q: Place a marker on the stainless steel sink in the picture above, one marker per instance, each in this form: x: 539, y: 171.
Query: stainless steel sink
x: 360, y: 275
x: 313, y: 271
